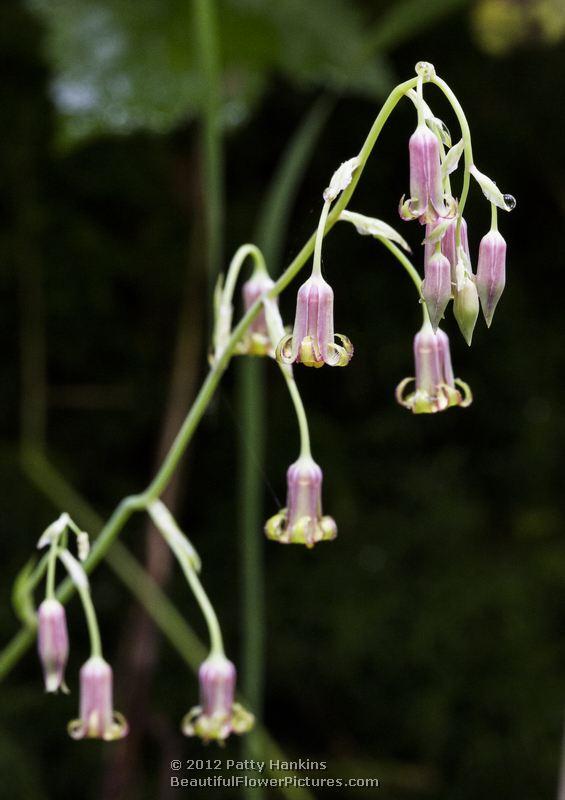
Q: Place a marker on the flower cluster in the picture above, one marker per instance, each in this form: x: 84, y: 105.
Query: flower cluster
x: 448, y: 272
x: 97, y: 719
x: 447, y: 276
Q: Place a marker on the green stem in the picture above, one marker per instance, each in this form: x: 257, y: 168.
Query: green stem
x: 405, y: 261
x: 91, y: 621
x: 251, y: 412
x: 236, y: 264
x: 317, y: 267
x: 149, y: 594
x: 411, y: 270
x: 467, y: 148
x: 216, y: 641
x: 493, y: 217
x: 300, y: 413
x: 51, y: 569
x: 205, y: 18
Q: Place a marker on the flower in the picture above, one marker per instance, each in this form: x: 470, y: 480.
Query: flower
x: 256, y: 341
x: 491, y: 272
x: 217, y: 715
x: 427, y: 200
x: 312, y: 341
x: 435, y: 388
x: 98, y: 720
x: 301, y: 522
x: 436, y: 286
x: 53, y: 644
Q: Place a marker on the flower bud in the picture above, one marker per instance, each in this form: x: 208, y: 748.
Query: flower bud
x: 217, y: 716
x: 466, y: 308
x: 53, y: 643
x: 301, y: 522
x: 491, y: 272
x: 312, y: 341
x: 256, y: 341
x: 435, y: 386
x: 449, y: 246
x: 98, y: 720
x: 436, y: 287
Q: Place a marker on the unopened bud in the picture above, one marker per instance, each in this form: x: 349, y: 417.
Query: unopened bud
x: 491, y: 272
x: 466, y: 308
x: 53, y: 643
x: 436, y: 288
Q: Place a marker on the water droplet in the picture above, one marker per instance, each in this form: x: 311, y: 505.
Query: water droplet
x: 510, y: 202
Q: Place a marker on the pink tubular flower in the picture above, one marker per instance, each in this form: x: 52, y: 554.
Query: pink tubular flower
x: 53, y: 644
x: 435, y: 387
x: 449, y: 248
x: 217, y: 716
x: 98, y: 720
x: 256, y: 341
x: 427, y: 201
x: 301, y: 522
x: 491, y: 272
x: 436, y: 287
x: 312, y: 341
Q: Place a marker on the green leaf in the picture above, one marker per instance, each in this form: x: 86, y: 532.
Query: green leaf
x: 120, y: 66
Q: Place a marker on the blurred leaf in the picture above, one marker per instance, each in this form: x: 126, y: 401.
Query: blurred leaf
x: 117, y: 70
x: 21, y: 595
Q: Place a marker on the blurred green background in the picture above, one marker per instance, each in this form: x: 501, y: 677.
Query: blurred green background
x: 141, y: 144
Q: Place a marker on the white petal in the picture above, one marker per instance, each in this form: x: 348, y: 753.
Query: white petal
x: 53, y: 531
x: 490, y: 189
x: 75, y: 569
x: 166, y: 523
x: 451, y: 160
x: 341, y: 178
x: 369, y: 226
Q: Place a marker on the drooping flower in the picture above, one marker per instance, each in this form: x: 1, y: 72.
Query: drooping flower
x: 491, y: 272
x: 218, y: 715
x: 427, y: 201
x: 436, y: 287
x: 97, y: 720
x: 256, y: 341
x: 435, y: 386
x: 302, y: 522
x: 53, y: 643
x: 312, y: 341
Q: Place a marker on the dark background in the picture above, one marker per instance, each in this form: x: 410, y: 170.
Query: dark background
x: 425, y: 645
